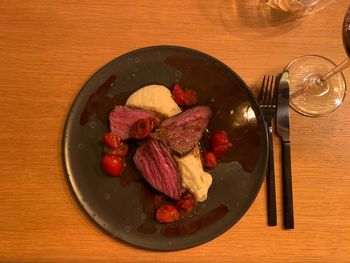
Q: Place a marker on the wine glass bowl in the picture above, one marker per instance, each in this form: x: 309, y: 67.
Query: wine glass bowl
x: 307, y: 95
x: 317, y: 85
x: 290, y: 10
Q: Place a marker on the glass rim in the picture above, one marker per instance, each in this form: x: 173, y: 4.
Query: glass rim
x: 341, y: 74
x: 308, y: 2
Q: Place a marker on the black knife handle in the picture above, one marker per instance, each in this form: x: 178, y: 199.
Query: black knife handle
x: 270, y: 183
x: 288, y: 217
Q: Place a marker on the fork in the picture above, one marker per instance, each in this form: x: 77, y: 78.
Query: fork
x: 267, y: 101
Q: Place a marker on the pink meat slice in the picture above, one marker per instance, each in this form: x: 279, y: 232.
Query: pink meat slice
x: 158, y: 168
x: 121, y: 119
x: 183, y: 131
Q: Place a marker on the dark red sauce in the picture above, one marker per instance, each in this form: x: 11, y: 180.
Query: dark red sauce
x: 100, y: 103
x: 189, y: 226
x: 147, y: 227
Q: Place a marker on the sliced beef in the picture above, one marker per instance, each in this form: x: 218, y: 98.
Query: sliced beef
x: 184, y: 130
x: 158, y: 168
x: 122, y: 119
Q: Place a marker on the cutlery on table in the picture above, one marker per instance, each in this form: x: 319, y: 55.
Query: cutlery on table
x: 283, y: 130
x: 267, y: 102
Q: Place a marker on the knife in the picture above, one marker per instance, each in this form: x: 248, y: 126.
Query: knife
x: 283, y: 131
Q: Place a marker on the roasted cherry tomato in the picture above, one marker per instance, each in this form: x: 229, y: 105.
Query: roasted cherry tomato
x: 186, y: 202
x: 219, y: 138
x: 220, y: 143
x: 115, y: 146
x: 190, y: 97
x: 112, y: 140
x: 167, y: 213
x: 141, y: 128
x: 121, y: 151
x: 220, y: 150
x: 112, y: 164
x: 184, y: 97
x: 210, y: 160
x: 178, y: 95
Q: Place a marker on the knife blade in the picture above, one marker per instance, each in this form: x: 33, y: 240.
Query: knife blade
x: 283, y: 130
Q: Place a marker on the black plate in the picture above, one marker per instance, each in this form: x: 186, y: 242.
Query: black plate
x: 123, y: 207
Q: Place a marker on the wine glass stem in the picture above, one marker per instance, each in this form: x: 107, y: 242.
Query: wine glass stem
x: 337, y: 69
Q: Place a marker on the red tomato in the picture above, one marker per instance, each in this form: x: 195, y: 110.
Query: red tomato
x: 219, y: 138
x: 178, y: 95
x: 190, y: 97
x: 186, y: 202
x: 115, y: 146
x: 112, y: 140
x: 210, y: 160
x: 184, y: 97
x: 220, y: 143
x: 121, y: 151
x: 141, y: 129
x: 167, y: 213
x: 112, y: 164
x: 220, y: 150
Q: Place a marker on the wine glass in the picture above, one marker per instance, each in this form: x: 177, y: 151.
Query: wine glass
x: 317, y: 85
x: 289, y: 10
x: 291, y: 6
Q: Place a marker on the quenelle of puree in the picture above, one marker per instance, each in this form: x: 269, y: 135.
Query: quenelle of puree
x: 193, y: 178
x: 155, y: 98
x: 158, y: 98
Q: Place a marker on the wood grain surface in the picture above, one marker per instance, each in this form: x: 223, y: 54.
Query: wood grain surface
x: 48, y: 49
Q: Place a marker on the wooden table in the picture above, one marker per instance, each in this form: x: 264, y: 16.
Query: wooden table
x: 48, y: 49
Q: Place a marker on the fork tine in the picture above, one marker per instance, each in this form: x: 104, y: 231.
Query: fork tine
x: 268, y: 88
x: 276, y: 88
x: 268, y: 99
x: 261, y: 93
x: 274, y: 91
x: 266, y: 91
x: 271, y: 91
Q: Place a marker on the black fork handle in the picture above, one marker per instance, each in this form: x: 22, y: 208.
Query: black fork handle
x: 270, y: 182
x: 288, y: 214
